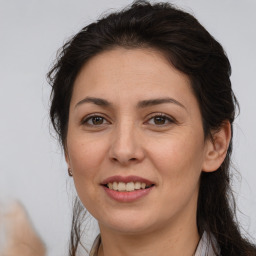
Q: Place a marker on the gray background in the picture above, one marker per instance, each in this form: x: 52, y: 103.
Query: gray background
x: 31, y: 164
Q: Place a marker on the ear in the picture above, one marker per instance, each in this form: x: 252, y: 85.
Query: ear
x: 216, y: 148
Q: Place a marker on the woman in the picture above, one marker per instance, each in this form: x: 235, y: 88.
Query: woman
x: 143, y: 106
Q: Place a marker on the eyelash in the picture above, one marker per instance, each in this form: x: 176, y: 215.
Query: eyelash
x: 161, y: 115
x: 85, y: 120
x: 155, y: 115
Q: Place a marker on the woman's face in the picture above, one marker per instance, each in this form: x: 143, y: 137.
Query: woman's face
x: 134, y: 122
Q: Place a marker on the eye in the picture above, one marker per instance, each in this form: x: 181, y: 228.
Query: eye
x: 160, y: 120
x: 94, y: 120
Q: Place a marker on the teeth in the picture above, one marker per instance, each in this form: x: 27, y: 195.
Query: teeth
x: 110, y: 185
x: 115, y: 186
x: 130, y: 186
x: 137, y: 185
x: 121, y: 186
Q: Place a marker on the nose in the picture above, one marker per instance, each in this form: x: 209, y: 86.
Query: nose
x: 126, y: 145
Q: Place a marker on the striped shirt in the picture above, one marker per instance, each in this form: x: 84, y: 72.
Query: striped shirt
x: 204, y: 247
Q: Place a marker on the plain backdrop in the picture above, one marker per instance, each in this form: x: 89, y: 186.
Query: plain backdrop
x: 32, y: 167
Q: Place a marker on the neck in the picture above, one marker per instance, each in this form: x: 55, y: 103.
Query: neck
x: 182, y: 237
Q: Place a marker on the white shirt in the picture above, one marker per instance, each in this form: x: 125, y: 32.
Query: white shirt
x: 204, y: 247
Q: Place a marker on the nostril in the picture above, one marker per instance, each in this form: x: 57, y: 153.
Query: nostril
x: 124, y: 160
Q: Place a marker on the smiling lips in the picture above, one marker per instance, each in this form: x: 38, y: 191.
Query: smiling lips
x: 130, y: 186
x: 127, y: 189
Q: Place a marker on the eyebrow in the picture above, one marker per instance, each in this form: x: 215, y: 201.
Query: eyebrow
x: 158, y: 101
x: 96, y: 101
x: 141, y: 104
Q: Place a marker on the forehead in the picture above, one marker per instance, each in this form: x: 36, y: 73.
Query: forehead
x: 134, y: 73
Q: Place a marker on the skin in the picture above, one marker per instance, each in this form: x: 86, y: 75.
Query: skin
x: 19, y: 233
x: 170, y: 151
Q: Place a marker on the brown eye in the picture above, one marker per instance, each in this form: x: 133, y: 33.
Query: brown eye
x: 97, y: 120
x: 94, y: 121
x: 160, y: 120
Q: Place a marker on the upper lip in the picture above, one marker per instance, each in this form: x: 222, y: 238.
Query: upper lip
x: 126, y: 179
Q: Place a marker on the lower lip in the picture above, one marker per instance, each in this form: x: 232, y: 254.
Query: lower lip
x: 127, y: 196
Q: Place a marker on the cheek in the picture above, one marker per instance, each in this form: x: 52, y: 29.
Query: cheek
x: 179, y: 166
x: 86, y: 158
x: 86, y: 155
x: 178, y: 159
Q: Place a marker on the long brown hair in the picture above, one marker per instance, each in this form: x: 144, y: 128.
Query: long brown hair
x: 189, y: 47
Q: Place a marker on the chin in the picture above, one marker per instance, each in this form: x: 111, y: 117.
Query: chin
x: 128, y: 223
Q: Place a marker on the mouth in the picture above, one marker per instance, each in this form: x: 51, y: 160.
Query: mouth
x: 127, y: 187
x: 127, y: 184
